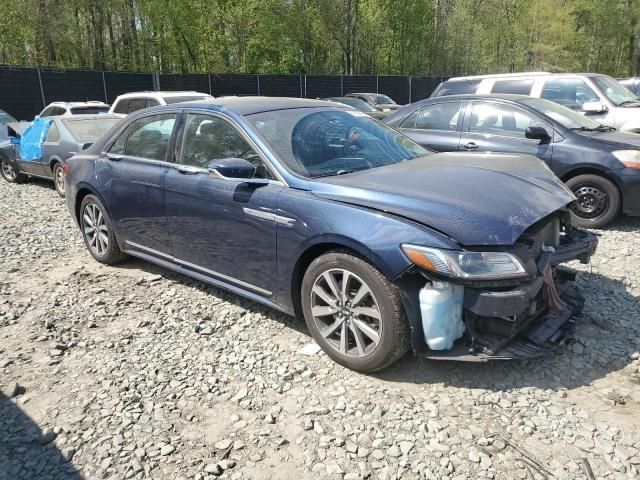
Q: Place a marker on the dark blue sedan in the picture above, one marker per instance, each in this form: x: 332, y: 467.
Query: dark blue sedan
x: 600, y: 165
x: 317, y: 210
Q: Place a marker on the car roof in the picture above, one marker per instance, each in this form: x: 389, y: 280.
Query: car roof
x: 251, y: 105
x: 476, y: 96
x: 524, y: 75
x: 90, y: 116
x: 164, y: 93
x: 363, y: 93
x: 79, y: 104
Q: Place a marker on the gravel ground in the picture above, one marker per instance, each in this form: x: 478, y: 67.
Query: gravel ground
x: 136, y: 372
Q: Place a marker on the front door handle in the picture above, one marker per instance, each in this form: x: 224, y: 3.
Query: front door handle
x: 189, y: 170
x: 470, y: 146
x: 114, y: 157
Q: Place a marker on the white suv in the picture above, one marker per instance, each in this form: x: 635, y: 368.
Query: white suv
x: 598, y: 96
x: 68, y: 109
x: 131, y: 102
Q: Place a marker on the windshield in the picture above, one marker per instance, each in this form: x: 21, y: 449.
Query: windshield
x: 318, y: 142
x: 615, y: 92
x: 563, y: 115
x: 185, y: 98
x: 89, y: 130
x: 382, y: 99
x: 6, y: 118
x: 356, y: 103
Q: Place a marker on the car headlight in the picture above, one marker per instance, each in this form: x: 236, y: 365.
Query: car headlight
x: 630, y: 158
x: 465, y: 264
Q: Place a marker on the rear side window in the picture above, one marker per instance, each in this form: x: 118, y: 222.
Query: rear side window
x: 516, y: 87
x: 147, y: 137
x: 92, y: 110
x: 570, y: 92
x: 122, y: 106
x: 53, y: 135
x: 457, y: 87
x: 439, y: 116
x: 136, y: 104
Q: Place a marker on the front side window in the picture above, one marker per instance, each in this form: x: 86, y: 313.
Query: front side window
x: 564, y: 116
x: 440, y: 116
x: 614, y: 91
x: 324, y: 141
x: 516, y: 87
x: 570, y: 92
x: 207, y: 138
x: 122, y: 106
x: 147, y: 137
x: 499, y: 119
x: 136, y: 104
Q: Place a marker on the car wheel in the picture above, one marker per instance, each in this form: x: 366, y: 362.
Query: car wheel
x: 97, y: 232
x: 10, y: 174
x: 58, y: 178
x: 353, y: 312
x: 598, y: 201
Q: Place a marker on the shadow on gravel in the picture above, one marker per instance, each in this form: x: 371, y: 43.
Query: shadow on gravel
x: 26, y: 452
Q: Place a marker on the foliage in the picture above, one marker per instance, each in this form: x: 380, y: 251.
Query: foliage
x: 419, y: 37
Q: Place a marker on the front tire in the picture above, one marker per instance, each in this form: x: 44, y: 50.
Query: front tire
x: 58, y: 178
x: 97, y: 232
x: 10, y: 174
x: 598, y: 201
x: 353, y: 312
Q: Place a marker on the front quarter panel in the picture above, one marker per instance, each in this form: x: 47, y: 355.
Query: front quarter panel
x: 307, y: 222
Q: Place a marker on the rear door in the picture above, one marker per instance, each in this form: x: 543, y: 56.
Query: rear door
x: 436, y: 126
x: 500, y: 127
x: 133, y: 173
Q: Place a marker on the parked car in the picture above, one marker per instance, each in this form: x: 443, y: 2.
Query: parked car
x: 68, y: 109
x: 377, y: 100
x: 600, y: 165
x: 6, y: 118
x: 313, y: 208
x: 598, y: 96
x: 52, y: 143
x: 132, y: 102
x: 360, y: 105
x: 632, y: 84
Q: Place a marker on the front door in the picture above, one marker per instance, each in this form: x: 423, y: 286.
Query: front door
x: 500, y: 127
x: 225, y: 229
x: 134, y: 172
x: 435, y: 126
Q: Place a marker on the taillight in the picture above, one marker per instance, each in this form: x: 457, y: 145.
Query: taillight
x: 65, y: 169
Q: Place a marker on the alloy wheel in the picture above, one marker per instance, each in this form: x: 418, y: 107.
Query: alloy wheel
x: 59, y: 178
x: 95, y: 229
x: 8, y: 171
x: 346, y: 313
x: 591, y: 201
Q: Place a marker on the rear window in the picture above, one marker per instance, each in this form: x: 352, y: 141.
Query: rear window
x: 90, y: 130
x: 517, y: 87
x: 457, y: 87
x: 183, y: 98
x: 92, y: 110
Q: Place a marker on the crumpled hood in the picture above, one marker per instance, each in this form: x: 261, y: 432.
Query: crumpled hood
x: 475, y: 198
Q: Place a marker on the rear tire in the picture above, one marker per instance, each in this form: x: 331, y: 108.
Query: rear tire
x: 360, y: 324
x: 98, y: 233
x: 10, y: 174
x: 58, y: 178
x: 598, y: 201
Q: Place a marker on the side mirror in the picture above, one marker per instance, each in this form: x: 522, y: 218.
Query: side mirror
x: 232, y: 169
x: 537, y: 133
x: 594, y: 107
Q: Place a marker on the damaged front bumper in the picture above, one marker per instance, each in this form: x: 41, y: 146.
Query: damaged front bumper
x: 518, y: 321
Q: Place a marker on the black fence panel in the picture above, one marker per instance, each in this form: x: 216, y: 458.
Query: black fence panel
x: 423, y: 87
x: 281, y: 85
x: 322, y: 86
x: 234, y: 84
x: 395, y: 86
x: 20, y: 94
x: 193, y: 81
x: 72, y: 85
x: 118, y: 83
x: 360, y: 84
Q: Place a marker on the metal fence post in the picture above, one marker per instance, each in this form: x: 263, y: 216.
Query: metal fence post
x: 44, y: 101
x: 377, y: 84
x: 258, y: 78
x: 104, y: 88
x: 410, y: 77
x: 305, y: 86
x: 342, y: 85
x: 209, y: 79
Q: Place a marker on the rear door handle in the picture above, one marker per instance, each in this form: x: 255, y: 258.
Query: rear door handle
x: 470, y: 146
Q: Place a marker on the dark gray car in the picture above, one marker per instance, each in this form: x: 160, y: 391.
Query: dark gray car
x: 65, y: 137
x: 360, y: 105
x: 379, y: 101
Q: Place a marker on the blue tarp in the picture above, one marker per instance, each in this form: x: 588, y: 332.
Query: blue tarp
x: 32, y: 138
